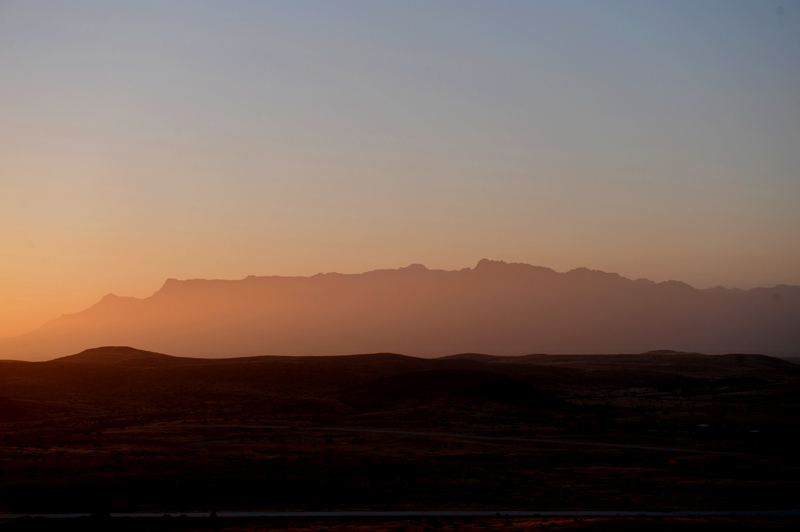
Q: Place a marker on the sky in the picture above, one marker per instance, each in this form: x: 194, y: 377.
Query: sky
x: 147, y: 140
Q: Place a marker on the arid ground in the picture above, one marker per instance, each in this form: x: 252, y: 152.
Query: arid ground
x: 117, y: 430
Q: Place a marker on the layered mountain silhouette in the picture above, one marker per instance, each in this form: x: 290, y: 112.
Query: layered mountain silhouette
x: 497, y: 307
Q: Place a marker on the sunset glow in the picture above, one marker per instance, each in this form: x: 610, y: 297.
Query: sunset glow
x: 141, y: 141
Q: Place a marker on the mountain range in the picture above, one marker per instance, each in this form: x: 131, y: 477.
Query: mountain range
x: 496, y: 307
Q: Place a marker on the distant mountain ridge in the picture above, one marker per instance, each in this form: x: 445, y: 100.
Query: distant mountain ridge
x: 496, y: 307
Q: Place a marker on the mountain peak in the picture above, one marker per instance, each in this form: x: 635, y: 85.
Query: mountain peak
x: 496, y: 307
x: 486, y: 264
x: 170, y: 283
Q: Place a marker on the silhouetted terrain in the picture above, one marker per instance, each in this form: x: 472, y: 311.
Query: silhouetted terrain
x: 118, y: 429
x: 498, y: 308
x: 112, y: 379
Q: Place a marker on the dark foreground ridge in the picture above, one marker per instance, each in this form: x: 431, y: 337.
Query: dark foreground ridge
x: 392, y: 521
x: 117, y: 430
x: 495, y: 307
x: 433, y: 513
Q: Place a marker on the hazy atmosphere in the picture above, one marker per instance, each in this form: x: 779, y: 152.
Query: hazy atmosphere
x: 141, y: 141
x: 400, y: 266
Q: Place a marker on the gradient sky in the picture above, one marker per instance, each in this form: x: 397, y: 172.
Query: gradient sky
x: 146, y: 140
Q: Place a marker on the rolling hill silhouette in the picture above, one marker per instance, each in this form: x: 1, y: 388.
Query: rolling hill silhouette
x: 116, y: 380
x: 124, y: 356
x: 115, y: 425
x: 497, y: 308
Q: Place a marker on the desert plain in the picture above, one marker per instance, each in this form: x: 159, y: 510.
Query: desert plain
x: 660, y: 438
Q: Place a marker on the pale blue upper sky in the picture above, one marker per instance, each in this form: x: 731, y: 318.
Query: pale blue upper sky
x: 146, y: 140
